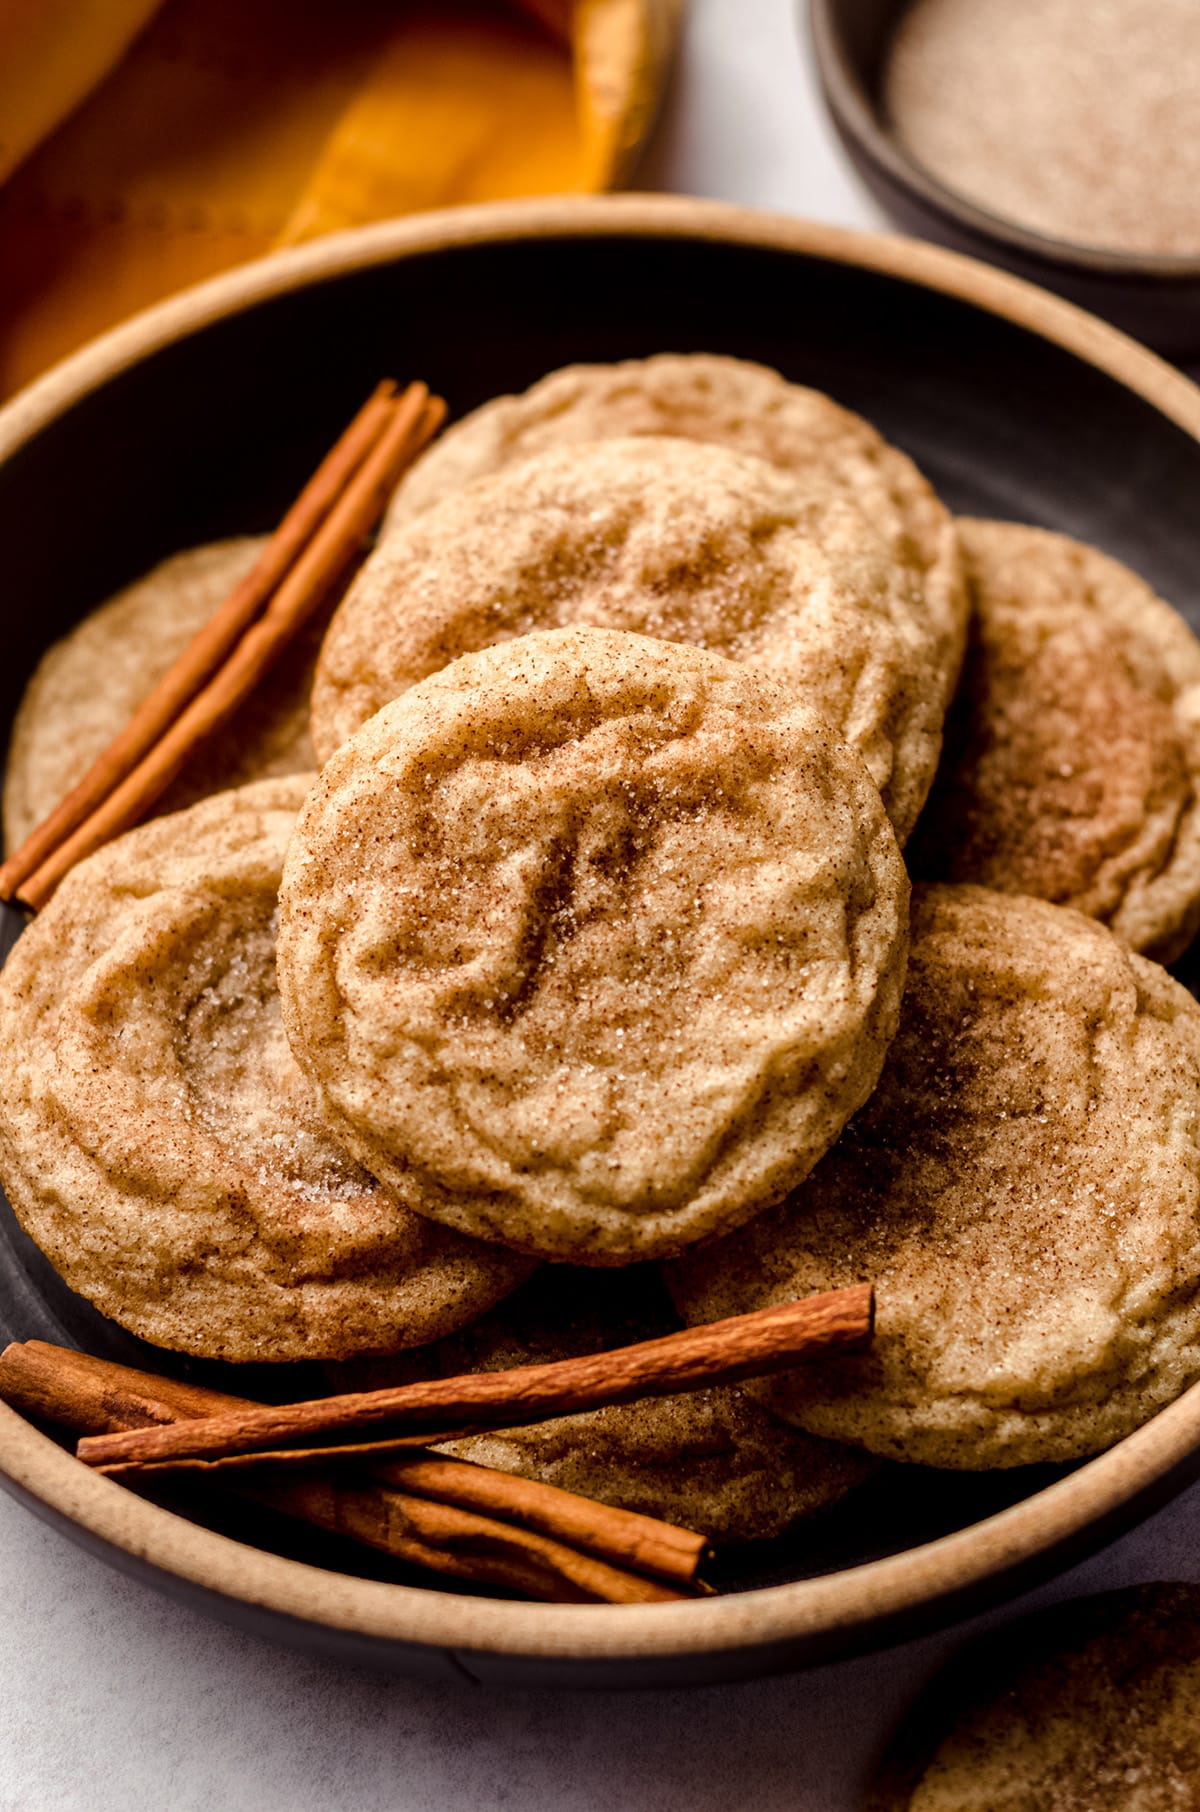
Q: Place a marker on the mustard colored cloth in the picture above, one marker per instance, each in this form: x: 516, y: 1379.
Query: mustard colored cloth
x: 145, y: 145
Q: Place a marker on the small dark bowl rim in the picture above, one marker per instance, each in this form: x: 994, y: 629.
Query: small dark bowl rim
x: 861, y: 122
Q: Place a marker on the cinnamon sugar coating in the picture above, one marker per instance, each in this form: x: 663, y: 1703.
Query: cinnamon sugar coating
x: 1090, y: 1706
x: 713, y: 1460
x: 88, y: 685
x: 727, y: 402
x: 670, y: 538
x: 1023, y: 1188
x: 1072, y: 767
x: 156, y: 1138
x: 591, y: 943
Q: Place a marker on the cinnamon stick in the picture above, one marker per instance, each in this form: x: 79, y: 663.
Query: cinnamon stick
x: 196, y: 663
x: 430, y: 1528
x: 374, y: 1422
x: 412, y: 421
x: 622, y: 1536
x: 95, y: 1396
x: 461, y: 1543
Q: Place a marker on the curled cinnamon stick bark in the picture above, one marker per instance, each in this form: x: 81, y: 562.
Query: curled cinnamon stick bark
x: 197, y: 663
x: 623, y: 1536
x: 437, y: 1526
x: 460, y: 1542
x: 125, y: 793
x: 369, y: 1423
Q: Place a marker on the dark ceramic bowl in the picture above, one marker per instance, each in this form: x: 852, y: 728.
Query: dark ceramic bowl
x: 201, y: 418
x: 1155, y: 298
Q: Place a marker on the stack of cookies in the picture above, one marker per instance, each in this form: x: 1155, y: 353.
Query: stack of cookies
x: 581, y: 989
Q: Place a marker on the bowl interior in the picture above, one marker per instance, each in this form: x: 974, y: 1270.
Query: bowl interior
x: 212, y: 434
x: 852, y: 40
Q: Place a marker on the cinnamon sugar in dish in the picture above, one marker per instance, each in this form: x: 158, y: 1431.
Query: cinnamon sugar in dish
x: 1074, y: 118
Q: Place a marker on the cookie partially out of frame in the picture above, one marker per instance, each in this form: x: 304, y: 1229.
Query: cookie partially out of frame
x: 1023, y: 1188
x: 1072, y: 766
x: 733, y: 403
x: 713, y: 1460
x: 1090, y: 1706
x: 786, y: 572
x: 88, y: 685
x: 157, y: 1139
x: 591, y: 943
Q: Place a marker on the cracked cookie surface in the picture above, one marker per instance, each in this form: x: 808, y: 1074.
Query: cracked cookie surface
x: 591, y: 943
x: 1090, y: 1706
x: 158, y: 1141
x: 1072, y: 764
x: 66, y: 719
x: 672, y: 538
x: 1023, y: 1188
x: 729, y: 402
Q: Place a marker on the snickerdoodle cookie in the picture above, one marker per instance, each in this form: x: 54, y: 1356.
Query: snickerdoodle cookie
x: 591, y: 943
x: 670, y: 538
x: 158, y: 1141
x: 714, y: 1460
x: 87, y: 686
x: 1072, y: 766
x: 1090, y: 1706
x: 707, y: 397
x: 1024, y: 1189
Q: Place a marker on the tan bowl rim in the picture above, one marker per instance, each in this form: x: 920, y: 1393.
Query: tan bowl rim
x: 852, y: 107
x: 777, y: 1615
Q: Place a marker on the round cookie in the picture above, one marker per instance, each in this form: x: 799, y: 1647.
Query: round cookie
x: 669, y: 538
x: 1072, y: 766
x: 1024, y: 1190
x: 591, y: 943
x: 713, y: 1460
x: 1090, y: 1706
x: 729, y: 402
x: 88, y: 685
x: 156, y: 1138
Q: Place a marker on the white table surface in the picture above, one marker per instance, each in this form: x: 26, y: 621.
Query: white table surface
x: 112, y: 1697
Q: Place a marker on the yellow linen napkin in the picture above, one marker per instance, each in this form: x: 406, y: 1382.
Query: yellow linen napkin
x: 145, y: 145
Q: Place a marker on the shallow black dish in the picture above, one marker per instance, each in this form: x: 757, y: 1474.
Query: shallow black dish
x: 1155, y: 298
x: 202, y: 418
